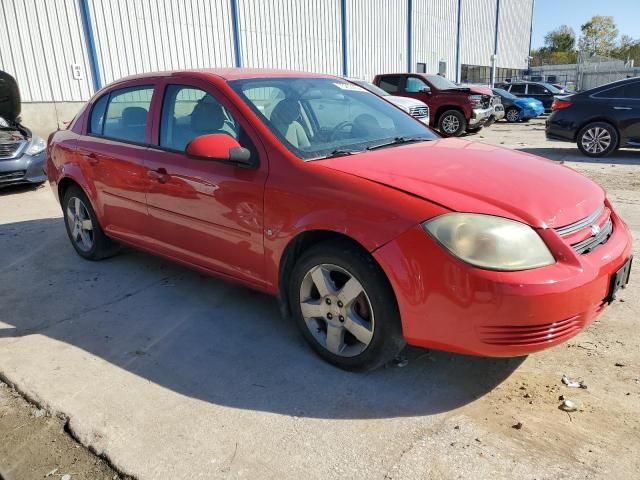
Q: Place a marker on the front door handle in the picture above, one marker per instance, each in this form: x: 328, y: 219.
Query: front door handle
x: 160, y: 175
x: 622, y: 108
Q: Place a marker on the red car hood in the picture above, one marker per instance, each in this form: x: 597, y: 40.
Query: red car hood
x: 475, y: 177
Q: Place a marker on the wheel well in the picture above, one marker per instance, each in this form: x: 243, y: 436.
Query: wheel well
x: 64, y: 185
x: 295, y: 249
x: 441, y: 110
x: 596, y: 120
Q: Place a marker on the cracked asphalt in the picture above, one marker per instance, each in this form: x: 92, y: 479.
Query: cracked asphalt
x: 169, y: 374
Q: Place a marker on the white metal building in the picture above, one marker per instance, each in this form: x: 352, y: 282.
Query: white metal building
x: 63, y: 50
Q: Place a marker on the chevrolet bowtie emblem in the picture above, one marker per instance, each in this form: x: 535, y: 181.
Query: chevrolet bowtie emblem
x: 595, y: 229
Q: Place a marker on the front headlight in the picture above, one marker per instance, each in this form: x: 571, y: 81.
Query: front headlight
x: 475, y: 99
x: 489, y: 242
x: 36, y: 145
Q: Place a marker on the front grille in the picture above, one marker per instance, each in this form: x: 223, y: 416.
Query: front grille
x: 9, y: 150
x: 587, y: 234
x: 11, y: 176
x: 520, y: 335
x: 419, y: 112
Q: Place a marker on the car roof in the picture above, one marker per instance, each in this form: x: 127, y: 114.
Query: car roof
x: 226, y: 73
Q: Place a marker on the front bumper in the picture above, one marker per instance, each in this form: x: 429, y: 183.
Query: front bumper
x: 24, y: 169
x: 449, y: 305
x: 479, y: 116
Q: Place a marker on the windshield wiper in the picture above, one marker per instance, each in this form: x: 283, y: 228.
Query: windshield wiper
x: 339, y: 152
x: 398, y: 141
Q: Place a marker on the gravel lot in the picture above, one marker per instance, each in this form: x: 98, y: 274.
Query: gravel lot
x: 169, y: 374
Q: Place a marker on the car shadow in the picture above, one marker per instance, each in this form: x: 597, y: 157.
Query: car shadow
x: 210, y: 339
x: 619, y: 157
x: 19, y: 188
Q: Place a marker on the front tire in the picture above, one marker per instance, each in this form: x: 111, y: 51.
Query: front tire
x: 345, y: 307
x: 452, y: 123
x: 83, y: 229
x: 597, y: 139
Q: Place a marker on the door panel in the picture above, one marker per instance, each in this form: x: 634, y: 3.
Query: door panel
x: 205, y: 212
x: 114, y: 153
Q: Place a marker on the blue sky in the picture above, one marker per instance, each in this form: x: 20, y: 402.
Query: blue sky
x: 550, y: 14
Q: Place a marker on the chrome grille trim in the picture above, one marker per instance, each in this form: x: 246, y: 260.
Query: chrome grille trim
x: 419, y: 111
x: 580, y: 224
x: 591, y: 243
x: 12, y: 150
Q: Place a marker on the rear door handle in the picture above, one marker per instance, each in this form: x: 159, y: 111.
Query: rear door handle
x: 160, y: 175
x: 622, y: 108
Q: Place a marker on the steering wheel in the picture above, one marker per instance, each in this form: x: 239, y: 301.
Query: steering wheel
x: 338, y: 128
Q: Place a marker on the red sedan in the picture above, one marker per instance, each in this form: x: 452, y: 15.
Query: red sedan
x: 372, y: 231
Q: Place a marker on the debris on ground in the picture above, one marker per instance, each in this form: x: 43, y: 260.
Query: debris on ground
x: 518, y: 425
x: 618, y: 364
x: 573, y: 383
x: 400, y: 361
x: 570, y: 405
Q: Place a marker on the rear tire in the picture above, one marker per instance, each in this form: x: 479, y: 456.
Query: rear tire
x: 84, y: 231
x: 597, y: 139
x: 512, y: 115
x: 452, y: 123
x: 345, y: 307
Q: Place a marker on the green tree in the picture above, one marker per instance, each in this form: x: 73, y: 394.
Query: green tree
x: 628, y: 49
x: 562, y: 39
x: 598, y: 36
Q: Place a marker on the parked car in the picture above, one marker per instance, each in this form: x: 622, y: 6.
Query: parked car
x: 22, y: 155
x: 496, y: 103
x: 599, y: 120
x: 519, y: 109
x: 413, y: 107
x: 545, y: 92
x: 372, y: 230
x: 454, y: 109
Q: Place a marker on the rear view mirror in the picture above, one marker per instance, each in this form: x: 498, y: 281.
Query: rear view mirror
x: 219, y: 146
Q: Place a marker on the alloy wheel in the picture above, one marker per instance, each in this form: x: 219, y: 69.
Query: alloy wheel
x: 337, y: 310
x: 513, y: 115
x: 596, y: 140
x: 450, y: 124
x: 80, y: 224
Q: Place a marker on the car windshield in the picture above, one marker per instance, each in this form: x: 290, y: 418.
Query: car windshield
x: 504, y: 94
x: 441, y: 83
x: 372, y: 88
x: 324, y: 117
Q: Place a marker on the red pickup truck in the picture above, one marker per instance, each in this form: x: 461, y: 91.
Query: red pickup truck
x: 454, y: 109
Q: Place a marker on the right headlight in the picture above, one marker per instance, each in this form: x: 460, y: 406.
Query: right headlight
x: 490, y: 242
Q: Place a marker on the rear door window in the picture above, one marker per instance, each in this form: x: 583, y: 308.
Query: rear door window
x: 127, y: 114
x: 629, y: 91
x: 536, y: 89
x: 518, y: 88
x: 391, y: 84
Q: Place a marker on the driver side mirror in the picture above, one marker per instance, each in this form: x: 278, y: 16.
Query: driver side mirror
x: 219, y: 146
x: 425, y: 89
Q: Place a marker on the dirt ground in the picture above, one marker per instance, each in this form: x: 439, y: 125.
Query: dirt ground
x: 168, y: 374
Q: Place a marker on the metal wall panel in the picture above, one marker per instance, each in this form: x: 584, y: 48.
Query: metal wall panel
x: 135, y: 36
x: 291, y: 34
x: 434, y: 34
x: 477, y: 33
x: 376, y: 37
x: 39, y: 43
x: 515, y: 28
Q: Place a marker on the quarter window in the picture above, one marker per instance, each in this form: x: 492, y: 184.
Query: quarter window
x: 97, y: 115
x: 189, y: 112
x: 127, y: 114
x: 630, y: 91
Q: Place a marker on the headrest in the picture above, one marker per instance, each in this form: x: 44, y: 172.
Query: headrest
x: 207, y: 116
x: 286, y: 112
x: 134, y: 117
